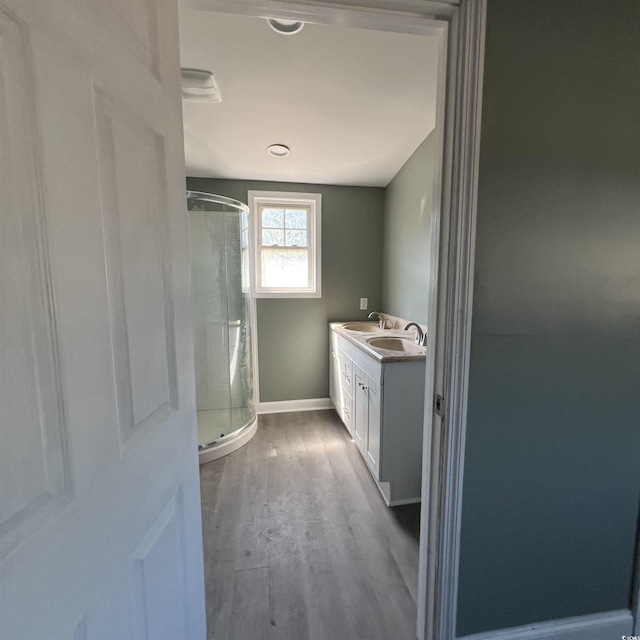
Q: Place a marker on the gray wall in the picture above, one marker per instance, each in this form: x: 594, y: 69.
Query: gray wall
x: 552, y: 469
x: 408, y: 204
x: 293, y: 333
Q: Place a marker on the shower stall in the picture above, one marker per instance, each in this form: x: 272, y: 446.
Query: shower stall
x: 219, y: 228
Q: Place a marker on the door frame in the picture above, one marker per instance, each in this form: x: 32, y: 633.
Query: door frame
x: 460, y: 24
x: 635, y: 589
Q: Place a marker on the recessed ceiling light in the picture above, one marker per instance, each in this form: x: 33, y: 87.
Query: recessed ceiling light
x: 286, y: 27
x: 278, y: 150
x: 199, y: 85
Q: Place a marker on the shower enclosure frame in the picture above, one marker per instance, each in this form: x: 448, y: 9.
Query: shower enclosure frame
x: 230, y: 442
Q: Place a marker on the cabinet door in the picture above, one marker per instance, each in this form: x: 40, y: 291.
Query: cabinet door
x: 360, y: 408
x: 347, y: 410
x: 334, y: 382
x: 346, y: 372
x: 373, y: 396
x: 345, y: 380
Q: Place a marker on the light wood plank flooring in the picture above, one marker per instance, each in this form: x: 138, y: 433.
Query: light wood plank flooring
x: 299, y: 543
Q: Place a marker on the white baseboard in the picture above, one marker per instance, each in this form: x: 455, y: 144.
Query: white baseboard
x: 286, y: 406
x: 600, y: 626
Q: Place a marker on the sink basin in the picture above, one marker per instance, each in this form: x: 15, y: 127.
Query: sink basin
x: 402, y: 345
x: 368, y: 327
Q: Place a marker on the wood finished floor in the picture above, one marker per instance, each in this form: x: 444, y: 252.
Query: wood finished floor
x: 299, y: 543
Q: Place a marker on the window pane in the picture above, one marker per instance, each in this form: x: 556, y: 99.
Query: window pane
x: 285, y: 269
x: 273, y: 236
x: 273, y: 218
x: 296, y: 238
x: 296, y: 219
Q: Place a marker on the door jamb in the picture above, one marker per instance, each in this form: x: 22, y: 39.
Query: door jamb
x: 443, y: 454
x: 635, y: 589
x: 451, y: 280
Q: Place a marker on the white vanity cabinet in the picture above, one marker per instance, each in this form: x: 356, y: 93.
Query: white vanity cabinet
x: 381, y: 402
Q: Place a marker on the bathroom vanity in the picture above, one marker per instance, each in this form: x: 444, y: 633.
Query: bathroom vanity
x: 377, y: 380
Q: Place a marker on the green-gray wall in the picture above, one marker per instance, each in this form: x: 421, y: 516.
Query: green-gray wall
x: 552, y: 468
x: 408, y: 204
x: 293, y: 333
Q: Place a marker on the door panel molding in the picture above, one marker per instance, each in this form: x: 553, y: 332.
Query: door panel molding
x: 35, y: 473
x: 80, y: 632
x: 140, y: 21
x: 160, y: 608
x: 135, y: 224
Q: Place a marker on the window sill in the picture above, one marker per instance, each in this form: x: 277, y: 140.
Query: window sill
x: 287, y: 294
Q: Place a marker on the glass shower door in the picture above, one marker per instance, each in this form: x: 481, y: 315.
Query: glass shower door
x: 222, y: 320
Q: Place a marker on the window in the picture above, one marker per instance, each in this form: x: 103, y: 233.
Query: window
x: 285, y: 244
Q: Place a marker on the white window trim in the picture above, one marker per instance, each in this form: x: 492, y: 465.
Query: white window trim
x: 245, y: 269
x: 285, y: 197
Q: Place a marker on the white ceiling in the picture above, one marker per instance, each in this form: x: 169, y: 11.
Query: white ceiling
x: 352, y: 104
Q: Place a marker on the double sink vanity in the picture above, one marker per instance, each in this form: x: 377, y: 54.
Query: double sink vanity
x: 377, y: 385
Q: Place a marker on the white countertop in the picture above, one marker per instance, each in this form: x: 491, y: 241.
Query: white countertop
x: 359, y: 339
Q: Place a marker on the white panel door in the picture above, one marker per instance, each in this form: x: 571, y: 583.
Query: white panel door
x: 100, y: 534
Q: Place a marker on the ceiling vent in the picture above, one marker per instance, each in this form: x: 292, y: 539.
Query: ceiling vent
x: 199, y: 85
x: 278, y: 150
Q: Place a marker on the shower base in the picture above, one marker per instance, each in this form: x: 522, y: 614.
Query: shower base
x: 230, y: 422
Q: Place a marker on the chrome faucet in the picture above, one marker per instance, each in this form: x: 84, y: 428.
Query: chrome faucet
x: 382, y: 323
x: 421, y: 336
